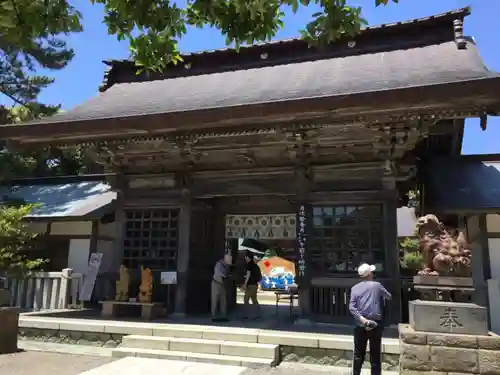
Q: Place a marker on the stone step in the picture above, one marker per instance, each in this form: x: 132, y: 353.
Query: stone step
x: 208, y: 333
x: 203, y: 346
x: 194, y: 357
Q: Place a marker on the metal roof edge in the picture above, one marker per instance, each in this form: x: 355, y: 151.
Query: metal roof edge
x: 460, y: 12
x: 58, y: 180
x: 115, y: 63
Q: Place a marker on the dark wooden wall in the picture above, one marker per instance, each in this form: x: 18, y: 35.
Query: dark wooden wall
x: 202, y: 257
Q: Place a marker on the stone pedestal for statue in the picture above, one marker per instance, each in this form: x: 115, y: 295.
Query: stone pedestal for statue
x: 9, y: 323
x: 445, y: 336
x: 444, y: 288
x: 5, y: 296
x: 448, y: 317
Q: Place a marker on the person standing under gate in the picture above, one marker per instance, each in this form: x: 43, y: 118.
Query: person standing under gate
x: 218, y: 290
x: 253, y: 276
x: 366, y: 305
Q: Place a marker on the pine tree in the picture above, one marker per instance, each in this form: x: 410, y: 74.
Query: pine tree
x: 30, y: 39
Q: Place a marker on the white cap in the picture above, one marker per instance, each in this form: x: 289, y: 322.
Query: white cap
x: 365, y: 269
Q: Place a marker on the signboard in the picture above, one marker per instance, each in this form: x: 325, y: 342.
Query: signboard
x: 90, y: 276
x: 168, y: 278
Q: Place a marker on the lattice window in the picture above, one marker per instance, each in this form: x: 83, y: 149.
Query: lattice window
x: 346, y: 236
x: 151, y: 238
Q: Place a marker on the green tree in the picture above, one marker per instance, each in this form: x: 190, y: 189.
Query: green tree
x: 48, y: 161
x: 409, y: 253
x: 30, y: 38
x: 16, y: 241
x: 154, y: 27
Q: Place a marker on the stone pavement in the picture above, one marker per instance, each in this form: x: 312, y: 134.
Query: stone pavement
x: 139, y: 366
x: 42, y: 363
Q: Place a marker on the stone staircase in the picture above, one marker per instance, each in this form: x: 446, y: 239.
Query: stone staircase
x: 222, y: 346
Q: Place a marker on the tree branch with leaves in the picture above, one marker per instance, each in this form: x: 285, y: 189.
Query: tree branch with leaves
x: 31, y: 30
x: 154, y: 27
x: 16, y: 241
x: 41, y: 162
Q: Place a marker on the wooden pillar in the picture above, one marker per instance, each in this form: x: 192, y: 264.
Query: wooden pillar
x: 392, y: 249
x: 94, y: 237
x: 120, y: 221
x: 183, y: 253
x: 392, y: 258
x: 101, y: 286
x: 481, y: 270
x: 304, y: 222
x: 218, y: 228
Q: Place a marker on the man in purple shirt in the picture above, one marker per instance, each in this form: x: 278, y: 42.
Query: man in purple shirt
x: 365, y: 305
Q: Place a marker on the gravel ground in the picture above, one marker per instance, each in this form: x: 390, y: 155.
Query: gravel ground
x: 42, y: 363
x: 302, y: 369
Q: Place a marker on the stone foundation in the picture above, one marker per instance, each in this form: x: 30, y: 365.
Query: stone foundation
x: 332, y: 357
x: 302, y: 354
x: 106, y: 340
x: 429, y: 353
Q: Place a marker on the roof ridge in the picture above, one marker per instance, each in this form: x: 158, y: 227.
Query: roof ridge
x: 458, y: 13
x: 461, y: 12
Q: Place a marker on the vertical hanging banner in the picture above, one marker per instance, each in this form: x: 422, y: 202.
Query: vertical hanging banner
x: 90, y: 276
x: 301, y: 241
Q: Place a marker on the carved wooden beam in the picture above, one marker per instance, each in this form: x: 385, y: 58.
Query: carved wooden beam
x: 301, y: 146
x: 103, y: 155
x: 247, y: 157
x: 167, y: 181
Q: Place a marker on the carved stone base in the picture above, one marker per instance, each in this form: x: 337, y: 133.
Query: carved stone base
x: 448, y: 317
x: 149, y: 311
x: 444, y: 281
x: 424, y: 353
x: 444, y: 288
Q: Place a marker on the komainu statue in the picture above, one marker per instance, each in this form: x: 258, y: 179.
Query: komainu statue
x: 122, y: 285
x: 146, y: 287
x: 445, y: 252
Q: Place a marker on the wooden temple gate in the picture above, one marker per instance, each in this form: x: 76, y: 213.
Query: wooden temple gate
x: 334, y: 135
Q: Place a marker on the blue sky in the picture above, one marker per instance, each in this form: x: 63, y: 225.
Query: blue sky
x: 80, y: 80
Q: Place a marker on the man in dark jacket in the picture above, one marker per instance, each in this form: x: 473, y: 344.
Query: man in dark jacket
x: 251, y: 285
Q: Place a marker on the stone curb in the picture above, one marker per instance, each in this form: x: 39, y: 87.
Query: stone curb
x: 64, y: 348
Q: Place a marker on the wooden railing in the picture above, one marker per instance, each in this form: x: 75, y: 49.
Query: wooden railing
x: 46, y: 290
x: 330, y: 303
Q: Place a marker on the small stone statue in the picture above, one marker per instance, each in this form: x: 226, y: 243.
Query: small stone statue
x: 445, y: 252
x: 146, y: 287
x: 122, y: 285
